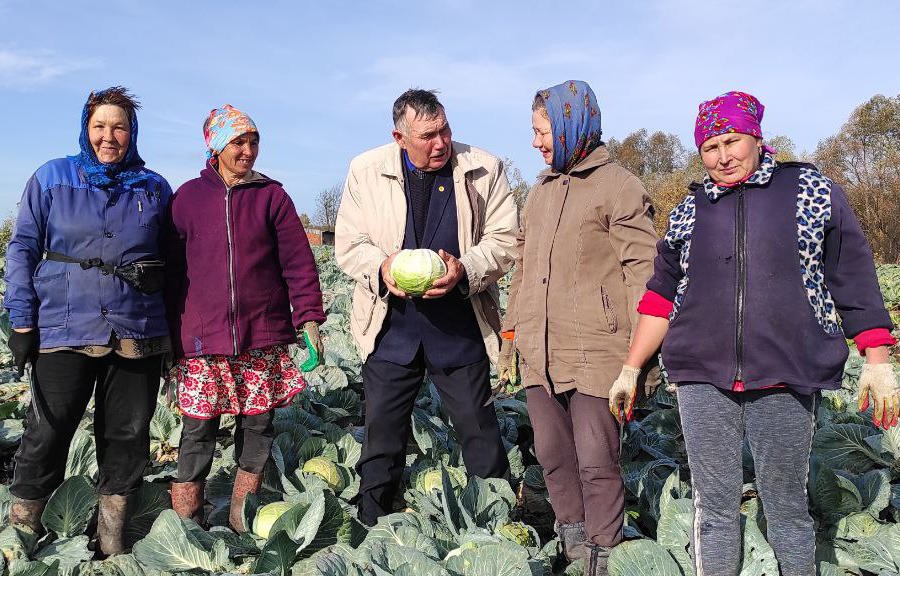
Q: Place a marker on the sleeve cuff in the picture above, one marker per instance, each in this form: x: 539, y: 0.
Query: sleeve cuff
x: 872, y: 338
x: 21, y: 322
x: 654, y: 305
x: 474, y: 285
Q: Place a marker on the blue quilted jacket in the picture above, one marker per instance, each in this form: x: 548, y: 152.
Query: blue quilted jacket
x: 61, y: 212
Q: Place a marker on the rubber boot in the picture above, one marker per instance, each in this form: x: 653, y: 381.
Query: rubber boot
x: 111, y: 517
x: 595, y: 559
x: 27, y: 514
x: 245, y: 483
x: 187, y: 499
x: 572, y: 539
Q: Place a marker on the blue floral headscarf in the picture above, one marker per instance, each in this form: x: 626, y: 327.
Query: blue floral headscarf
x: 127, y: 171
x: 575, y: 120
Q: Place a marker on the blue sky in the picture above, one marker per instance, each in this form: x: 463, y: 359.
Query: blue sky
x: 319, y: 78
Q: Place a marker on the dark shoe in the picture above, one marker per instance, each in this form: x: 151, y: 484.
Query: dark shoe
x: 245, y: 483
x: 572, y: 539
x: 595, y: 559
x: 111, y: 518
x: 187, y: 499
x: 27, y: 514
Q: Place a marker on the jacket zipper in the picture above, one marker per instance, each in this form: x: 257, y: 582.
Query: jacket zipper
x: 741, y: 283
x: 231, y: 269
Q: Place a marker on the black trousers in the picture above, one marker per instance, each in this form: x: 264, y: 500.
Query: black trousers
x: 391, y: 391
x: 124, y: 396
x: 253, y: 437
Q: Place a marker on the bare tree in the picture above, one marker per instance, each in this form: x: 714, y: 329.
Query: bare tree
x: 304, y: 218
x: 327, y: 203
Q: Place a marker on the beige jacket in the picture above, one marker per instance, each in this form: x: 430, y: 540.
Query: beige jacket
x: 585, y: 252
x: 371, y: 223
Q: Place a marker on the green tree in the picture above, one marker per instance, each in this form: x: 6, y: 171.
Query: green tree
x: 517, y: 184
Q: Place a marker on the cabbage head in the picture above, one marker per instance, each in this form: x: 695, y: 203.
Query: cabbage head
x: 266, y: 517
x: 415, y: 270
x: 430, y: 479
x: 518, y: 533
x: 325, y: 470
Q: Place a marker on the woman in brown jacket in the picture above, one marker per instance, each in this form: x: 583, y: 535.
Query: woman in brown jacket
x: 586, y: 246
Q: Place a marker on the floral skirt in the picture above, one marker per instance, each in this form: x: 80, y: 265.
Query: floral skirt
x: 248, y: 384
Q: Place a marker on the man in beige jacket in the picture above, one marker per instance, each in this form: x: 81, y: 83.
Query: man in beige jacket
x: 425, y: 191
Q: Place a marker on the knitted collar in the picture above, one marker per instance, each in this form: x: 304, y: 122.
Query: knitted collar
x: 761, y: 176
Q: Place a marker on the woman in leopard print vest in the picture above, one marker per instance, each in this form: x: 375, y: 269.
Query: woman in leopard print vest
x: 763, y: 272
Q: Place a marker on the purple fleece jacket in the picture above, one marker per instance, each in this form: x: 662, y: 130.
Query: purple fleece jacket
x: 240, y: 272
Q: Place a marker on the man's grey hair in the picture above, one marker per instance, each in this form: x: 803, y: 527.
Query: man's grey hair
x: 423, y: 103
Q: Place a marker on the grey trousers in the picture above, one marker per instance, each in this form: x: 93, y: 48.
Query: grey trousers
x: 779, y: 425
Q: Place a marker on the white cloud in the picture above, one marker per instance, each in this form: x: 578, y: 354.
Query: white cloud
x: 29, y: 69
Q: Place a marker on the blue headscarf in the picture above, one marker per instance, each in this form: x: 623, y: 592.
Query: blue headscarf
x: 128, y: 171
x: 575, y: 120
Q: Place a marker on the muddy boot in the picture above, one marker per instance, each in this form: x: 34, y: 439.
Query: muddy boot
x: 572, y: 539
x: 27, y: 514
x: 595, y: 559
x: 187, y: 499
x: 111, y: 517
x: 245, y: 483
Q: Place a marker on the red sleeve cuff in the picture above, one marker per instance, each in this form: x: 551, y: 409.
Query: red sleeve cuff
x: 872, y: 338
x: 654, y: 305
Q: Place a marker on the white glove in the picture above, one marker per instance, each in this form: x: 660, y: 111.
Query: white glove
x: 879, y: 382
x: 623, y: 392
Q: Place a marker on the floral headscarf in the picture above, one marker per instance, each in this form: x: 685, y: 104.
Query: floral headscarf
x: 575, y: 120
x: 223, y: 125
x: 732, y: 112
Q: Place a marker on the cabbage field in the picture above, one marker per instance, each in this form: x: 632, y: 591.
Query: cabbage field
x: 445, y: 523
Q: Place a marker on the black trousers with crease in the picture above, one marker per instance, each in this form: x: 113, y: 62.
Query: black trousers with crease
x: 391, y: 391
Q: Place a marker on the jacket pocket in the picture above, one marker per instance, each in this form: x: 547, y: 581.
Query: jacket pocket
x: 147, y: 207
x: 53, y: 294
x: 609, y: 311
x: 363, y: 310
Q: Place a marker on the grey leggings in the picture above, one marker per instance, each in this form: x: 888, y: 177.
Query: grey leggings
x: 779, y: 425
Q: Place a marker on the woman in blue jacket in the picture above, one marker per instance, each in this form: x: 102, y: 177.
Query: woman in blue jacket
x: 86, y: 307
x: 763, y: 272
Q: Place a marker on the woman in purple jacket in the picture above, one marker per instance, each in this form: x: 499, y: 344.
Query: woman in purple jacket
x: 762, y: 273
x: 242, y: 285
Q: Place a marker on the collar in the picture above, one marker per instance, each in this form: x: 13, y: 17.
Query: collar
x: 598, y: 157
x: 760, y: 177
x: 460, y: 158
x: 211, y: 173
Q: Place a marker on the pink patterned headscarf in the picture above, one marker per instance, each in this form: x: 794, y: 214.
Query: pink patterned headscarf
x: 732, y: 112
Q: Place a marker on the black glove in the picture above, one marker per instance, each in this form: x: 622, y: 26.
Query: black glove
x: 24, y: 346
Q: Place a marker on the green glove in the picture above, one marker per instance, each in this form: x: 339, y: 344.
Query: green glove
x: 313, y: 340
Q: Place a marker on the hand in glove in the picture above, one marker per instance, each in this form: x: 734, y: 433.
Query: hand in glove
x: 623, y: 393
x: 508, y: 364
x: 309, y: 334
x: 24, y: 346
x: 877, y: 381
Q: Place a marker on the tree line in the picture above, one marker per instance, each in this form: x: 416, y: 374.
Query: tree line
x: 863, y: 157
